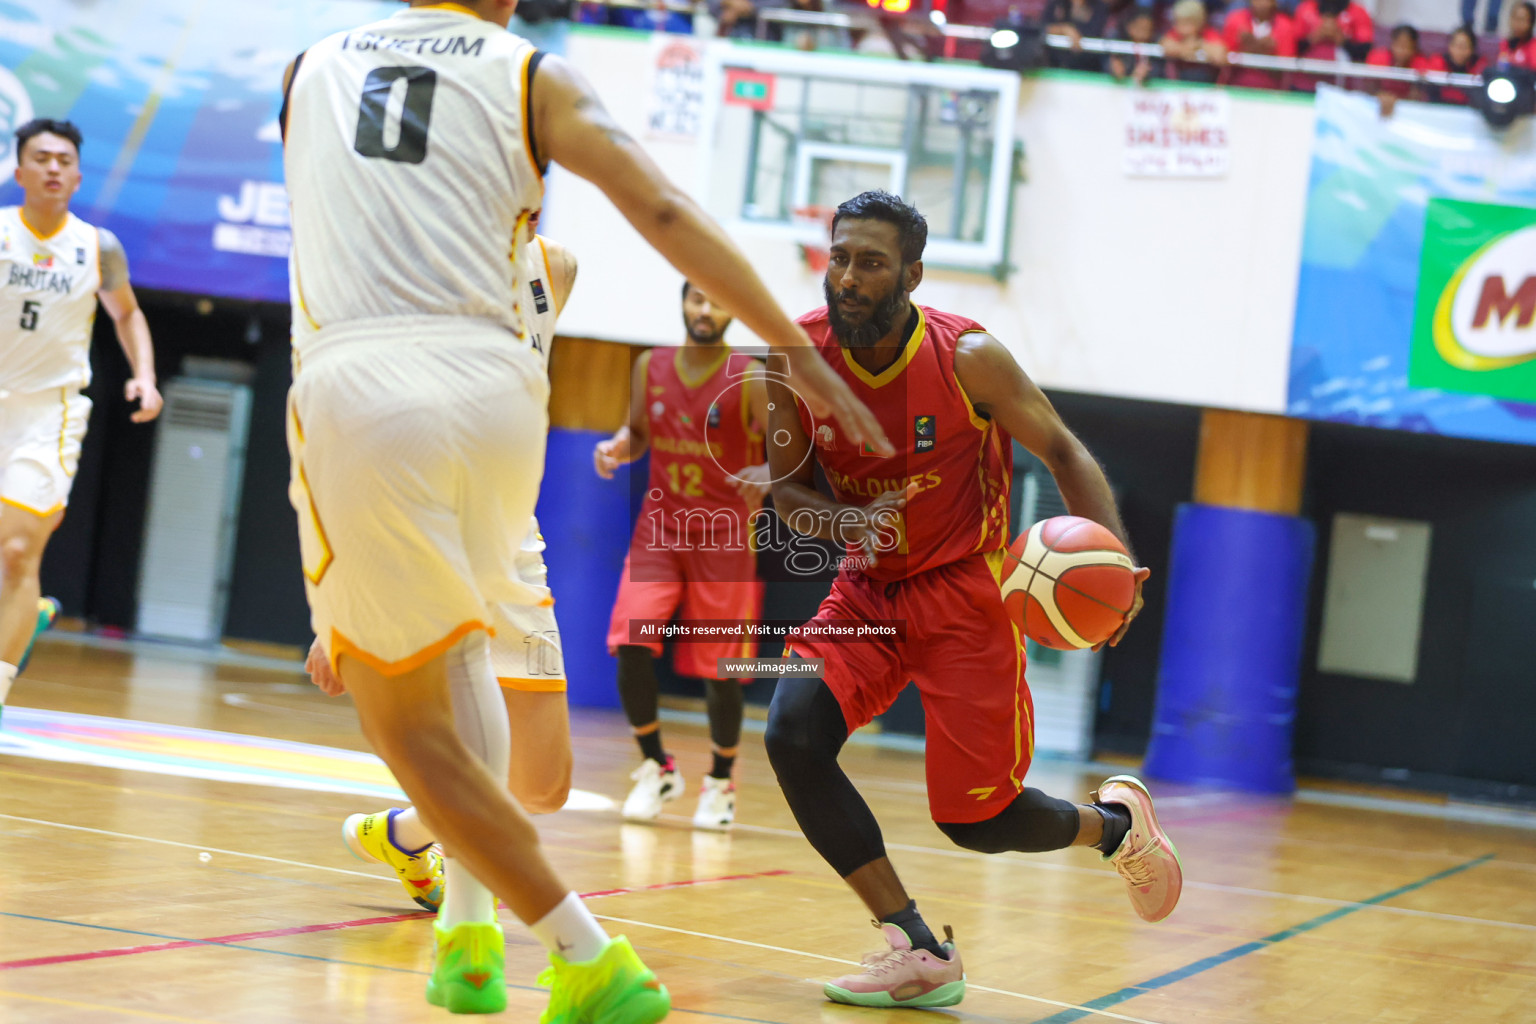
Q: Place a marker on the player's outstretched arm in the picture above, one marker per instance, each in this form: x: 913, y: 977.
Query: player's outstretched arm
x: 1000, y: 388
x: 132, y: 328
x: 572, y: 128
x: 631, y: 440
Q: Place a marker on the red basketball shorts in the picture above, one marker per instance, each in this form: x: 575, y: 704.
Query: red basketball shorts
x: 693, y: 584
x: 966, y: 656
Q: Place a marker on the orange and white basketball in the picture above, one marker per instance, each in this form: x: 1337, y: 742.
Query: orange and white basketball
x: 1068, y: 582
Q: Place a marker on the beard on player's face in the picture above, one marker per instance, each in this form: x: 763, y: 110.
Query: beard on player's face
x: 871, y: 320
x: 706, y: 330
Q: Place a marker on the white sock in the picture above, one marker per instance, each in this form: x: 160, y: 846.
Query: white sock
x: 408, y: 832
x: 571, y: 931
x: 7, y: 677
x: 464, y: 898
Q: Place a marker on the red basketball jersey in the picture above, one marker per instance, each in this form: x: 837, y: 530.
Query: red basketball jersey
x: 701, y: 433
x: 962, y: 462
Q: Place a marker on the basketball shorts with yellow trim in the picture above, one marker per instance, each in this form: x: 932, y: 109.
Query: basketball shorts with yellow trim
x: 525, y: 652
x: 413, y: 443
x: 966, y: 656
x: 40, y: 436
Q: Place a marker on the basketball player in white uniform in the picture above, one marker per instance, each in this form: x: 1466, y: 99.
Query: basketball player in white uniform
x: 53, y: 268
x: 415, y: 151
x: 525, y: 653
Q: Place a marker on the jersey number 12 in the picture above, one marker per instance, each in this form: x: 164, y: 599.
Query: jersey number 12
x: 415, y: 114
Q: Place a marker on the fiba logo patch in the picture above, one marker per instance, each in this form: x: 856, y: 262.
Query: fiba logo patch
x: 924, y: 430
x: 15, y: 111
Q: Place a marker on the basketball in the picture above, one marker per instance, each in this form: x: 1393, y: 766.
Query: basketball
x: 1068, y: 582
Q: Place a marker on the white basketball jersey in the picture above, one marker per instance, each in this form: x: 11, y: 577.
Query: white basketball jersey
x: 47, y: 303
x: 411, y: 171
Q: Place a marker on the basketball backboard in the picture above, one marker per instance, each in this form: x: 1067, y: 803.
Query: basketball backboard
x: 785, y: 131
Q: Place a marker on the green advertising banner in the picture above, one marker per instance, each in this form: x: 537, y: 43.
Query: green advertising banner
x: 1474, y: 328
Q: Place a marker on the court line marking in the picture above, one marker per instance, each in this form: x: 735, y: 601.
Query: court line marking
x: 1207, y: 963
x: 1085, y: 1011
x: 1218, y: 887
x: 902, y: 847
x: 233, y: 941
x: 178, y: 942
x: 194, y: 846
x: 103, y: 1008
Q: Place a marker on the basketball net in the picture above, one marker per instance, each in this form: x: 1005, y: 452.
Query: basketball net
x: 815, y: 253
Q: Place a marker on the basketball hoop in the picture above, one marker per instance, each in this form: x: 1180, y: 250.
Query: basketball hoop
x: 819, y: 220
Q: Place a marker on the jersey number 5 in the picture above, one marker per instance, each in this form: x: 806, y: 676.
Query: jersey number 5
x: 415, y: 114
x: 29, y: 315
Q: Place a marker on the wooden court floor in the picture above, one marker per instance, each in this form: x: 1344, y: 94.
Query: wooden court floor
x: 1294, y: 911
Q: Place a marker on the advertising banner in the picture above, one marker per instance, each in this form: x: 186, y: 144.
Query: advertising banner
x: 677, y: 87
x: 1474, y: 330
x: 1416, y: 302
x: 1177, y: 134
x: 178, y: 103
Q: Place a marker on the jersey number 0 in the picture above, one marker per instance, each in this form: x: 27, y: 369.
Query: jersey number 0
x: 415, y: 114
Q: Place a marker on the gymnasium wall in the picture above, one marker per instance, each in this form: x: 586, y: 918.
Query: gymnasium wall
x: 1175, y: 290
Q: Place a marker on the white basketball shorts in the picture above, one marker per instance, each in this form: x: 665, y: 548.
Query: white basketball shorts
x: 40, y: 435
x: 525, y: 651
x: 414, y: 443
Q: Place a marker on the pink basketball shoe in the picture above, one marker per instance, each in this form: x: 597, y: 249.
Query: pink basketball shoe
x: 1146, y: 857
x: 903, y: 976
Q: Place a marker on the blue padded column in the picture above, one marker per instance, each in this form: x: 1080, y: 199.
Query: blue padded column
x: 1231, y: 653
x: 586, y: 522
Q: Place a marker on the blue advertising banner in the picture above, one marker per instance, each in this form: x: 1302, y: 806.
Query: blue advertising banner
x: 178, y: 103
x: 1366, y: 348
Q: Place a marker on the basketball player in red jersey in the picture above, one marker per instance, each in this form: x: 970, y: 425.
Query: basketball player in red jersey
x: 925, y: 533
x: 699, y: 409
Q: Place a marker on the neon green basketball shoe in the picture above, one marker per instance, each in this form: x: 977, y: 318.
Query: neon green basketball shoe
x: 468, y: 971
x: 613, y: 988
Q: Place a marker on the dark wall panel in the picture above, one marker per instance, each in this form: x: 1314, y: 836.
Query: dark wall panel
x: 1476, y: 675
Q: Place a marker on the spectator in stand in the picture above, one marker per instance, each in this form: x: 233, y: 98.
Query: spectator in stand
x: 1259, y: 28
x: 810, y: 37
x: 1194, y: 50
x: 1490, y: 17
x: 1402, y: 52
x: 1520, y: 49
x: 735, y: 19
x: 655, y: 17
x: 1118, y: 12
x: 1139, y: 26
x: 1325, y: 28
x: 1460, y: 58
x: 1077, y: 20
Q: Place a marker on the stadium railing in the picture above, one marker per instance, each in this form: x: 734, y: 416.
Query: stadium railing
x: 1338, y: 69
